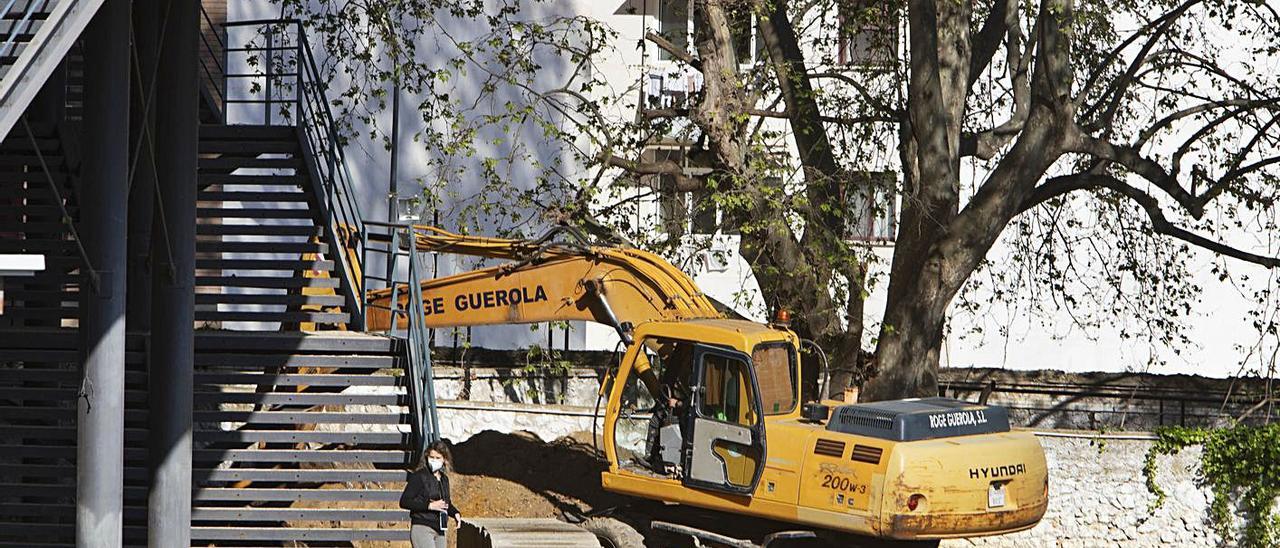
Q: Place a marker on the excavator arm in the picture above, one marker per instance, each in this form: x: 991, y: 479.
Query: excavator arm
x: 547, y: 279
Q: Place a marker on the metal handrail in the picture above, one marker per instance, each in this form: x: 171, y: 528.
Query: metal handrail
x: 420, y: 379
x: 308, y: 110
x: 11, y: 42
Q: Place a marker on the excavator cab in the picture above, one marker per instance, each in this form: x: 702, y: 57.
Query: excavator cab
x: 711, y: 385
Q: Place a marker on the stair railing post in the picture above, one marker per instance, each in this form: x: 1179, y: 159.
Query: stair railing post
x: 270, y: 60
x: 364, y: 280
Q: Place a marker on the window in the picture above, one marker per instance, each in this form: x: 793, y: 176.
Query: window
x: 776, y: 373
x: 681, y: 213
x: 673, y: 207
x: 722, y: 381
x: 673, y: 24
x: 676, y: 24
x: 872, y: 207
x: 868, y: 33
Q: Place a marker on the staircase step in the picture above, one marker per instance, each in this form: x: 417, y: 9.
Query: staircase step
x: 257, y: 230
x: 301, y: 436
x: 298, y: 398
x: 276, y: 299
x: 296, y: 514
x: 295, y: 379
x: 249, y: 196
x: 283, y: 495
x: 297, y: 360
x: 43, y: 490
x: 259, y: 247
x: 232, y: 163
x: 40, y: 313
x: 263, y: 264
x: 214, y: 132
x: 31, y: 412
x: 288, y: 316
x: 249, y: 146
x: 304, y: 349
x: 268, y: 282
x: 265, y: 456
x: 297, y: 534
x: 255, y: 179
x: 308, y: 476
x: 36, y: 451
x: 254, y: 213
x: 284, y: 417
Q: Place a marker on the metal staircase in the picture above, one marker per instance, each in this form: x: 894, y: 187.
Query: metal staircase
x: 298, y: 437
x: 39, y: 378
x: 35, y: 35
x: 260, y: 229
x: 302, y: 436
x: 31, y: 221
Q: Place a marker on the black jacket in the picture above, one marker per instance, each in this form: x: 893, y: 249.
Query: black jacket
x: 422, y: 489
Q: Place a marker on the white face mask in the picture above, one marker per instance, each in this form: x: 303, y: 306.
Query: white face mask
x: 435, y: 464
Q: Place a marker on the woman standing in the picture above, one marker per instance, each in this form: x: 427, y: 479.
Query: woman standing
x: 426, y: 497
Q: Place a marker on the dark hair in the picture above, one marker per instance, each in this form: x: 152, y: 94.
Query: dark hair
x: 439, y: 446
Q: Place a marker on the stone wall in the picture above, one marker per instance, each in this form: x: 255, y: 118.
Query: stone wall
x: 1099, y: 497
x: 1098, y: 493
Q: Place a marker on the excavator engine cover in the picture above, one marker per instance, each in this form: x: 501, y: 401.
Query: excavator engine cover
x: 918, y: 419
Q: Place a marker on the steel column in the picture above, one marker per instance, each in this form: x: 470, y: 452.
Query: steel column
x: 142, y: 183
x: 173, y: 290
x: 100, y: 405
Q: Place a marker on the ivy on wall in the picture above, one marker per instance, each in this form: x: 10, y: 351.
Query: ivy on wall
x: 1241, y: 461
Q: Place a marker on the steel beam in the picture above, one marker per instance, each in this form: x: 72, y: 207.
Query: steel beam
x: 100, y: 405
x: 173, y: 279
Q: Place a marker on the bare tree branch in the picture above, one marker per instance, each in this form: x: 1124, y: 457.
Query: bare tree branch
x: 987, y: 41
x: 1111, y: 57
x: 1151, y: 131
x: 1160, y: 224
x: 872, y: 99
x: 682, y: 181
x: 674, y: 50
x: 1018, y: 62
x: 1118, y: 87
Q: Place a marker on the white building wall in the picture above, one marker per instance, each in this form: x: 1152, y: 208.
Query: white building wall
x: 1219, y: 325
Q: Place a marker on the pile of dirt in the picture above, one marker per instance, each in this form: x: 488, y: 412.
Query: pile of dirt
x: 520, y: 475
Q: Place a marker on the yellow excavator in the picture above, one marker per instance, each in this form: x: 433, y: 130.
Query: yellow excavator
x: 706, y: 412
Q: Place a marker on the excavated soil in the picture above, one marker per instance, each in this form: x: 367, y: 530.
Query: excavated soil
x: 519, y: 475
x: 500, y: 475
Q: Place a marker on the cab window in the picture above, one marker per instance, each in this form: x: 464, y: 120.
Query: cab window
x: 722, y: 380
x: 776, y: 373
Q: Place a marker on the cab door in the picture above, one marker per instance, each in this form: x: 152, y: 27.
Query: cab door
x: 725, y: 446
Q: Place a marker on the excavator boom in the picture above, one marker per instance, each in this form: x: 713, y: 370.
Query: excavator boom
x: 546, y: 280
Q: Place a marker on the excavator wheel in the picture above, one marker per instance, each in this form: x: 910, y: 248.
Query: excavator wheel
x: 613, y: 532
